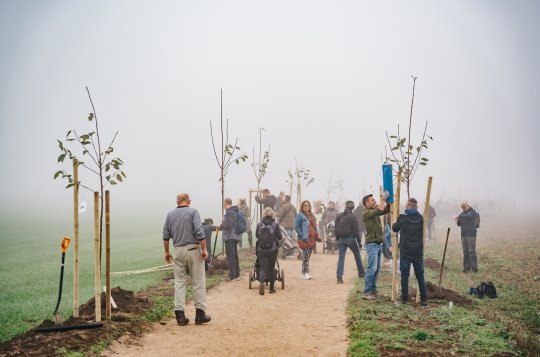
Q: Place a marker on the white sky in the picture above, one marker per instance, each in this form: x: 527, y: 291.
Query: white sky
x: 324, y: 78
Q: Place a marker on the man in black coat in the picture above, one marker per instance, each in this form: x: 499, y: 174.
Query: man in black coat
x: 411, y: 250
x: 348, y: 236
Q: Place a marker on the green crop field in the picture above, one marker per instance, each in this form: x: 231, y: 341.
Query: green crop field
x: 30, y: 269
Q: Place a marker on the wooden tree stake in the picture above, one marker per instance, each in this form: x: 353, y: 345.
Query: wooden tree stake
x: 97, y: 284
x: 108, y: 255
x: 426, y: 212
x: 76, y: 243
x: 395, y: 281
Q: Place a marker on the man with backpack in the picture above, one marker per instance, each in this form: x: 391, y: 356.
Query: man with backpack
x: 268, y: 235
x: 410, y: 226
x: 233, y: 226
x: 469, y: 221
x: 348, y: 235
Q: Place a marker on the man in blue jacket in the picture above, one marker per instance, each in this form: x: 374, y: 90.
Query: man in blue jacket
x: 469, y: 221
x: 411, y: 250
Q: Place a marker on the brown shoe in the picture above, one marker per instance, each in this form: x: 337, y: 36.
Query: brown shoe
x: 369, y: 296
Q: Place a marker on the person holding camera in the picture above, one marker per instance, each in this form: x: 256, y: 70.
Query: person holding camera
x: 374, y: 239
x: 469, y: 221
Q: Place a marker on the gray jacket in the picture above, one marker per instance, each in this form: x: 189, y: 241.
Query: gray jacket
x: 329, y: 215
x: 244, y: 208
x: 358, y: 213
x: 286, y: 215
x: 228, y: 227
x: 183, y: 225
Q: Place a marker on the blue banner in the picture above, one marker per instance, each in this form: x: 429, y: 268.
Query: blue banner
x: 388, y: 182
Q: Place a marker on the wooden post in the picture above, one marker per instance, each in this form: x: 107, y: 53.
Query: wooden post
x: 76, y: 243
x: 395, y: 282
x: 97, y: 275
x: 442, y: 264
x: 426, y: 212
x: 108, y: 255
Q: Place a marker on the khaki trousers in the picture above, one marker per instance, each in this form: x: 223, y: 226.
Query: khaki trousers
x: 188, y: 263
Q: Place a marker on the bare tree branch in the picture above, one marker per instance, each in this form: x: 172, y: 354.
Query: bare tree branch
x: 213, y: 145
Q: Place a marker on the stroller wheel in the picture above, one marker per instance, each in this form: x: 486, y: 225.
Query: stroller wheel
x: 282, y: 279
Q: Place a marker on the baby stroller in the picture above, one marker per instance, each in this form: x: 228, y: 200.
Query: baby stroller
x: 288, y: 245
x: 254, y: 274
x: 330, y: 243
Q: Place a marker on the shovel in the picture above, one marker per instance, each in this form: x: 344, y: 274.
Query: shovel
x: 65, y: 245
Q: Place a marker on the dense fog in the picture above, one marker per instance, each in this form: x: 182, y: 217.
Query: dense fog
x: 325, y: 80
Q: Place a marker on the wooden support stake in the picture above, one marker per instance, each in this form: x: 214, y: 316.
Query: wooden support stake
x: 97, y: 269
x: 108, y: 255
x: 111, y: 300
x: 395, y: 282
x: 76, y: 242
x: 426, y: 212
x: 442, y: 264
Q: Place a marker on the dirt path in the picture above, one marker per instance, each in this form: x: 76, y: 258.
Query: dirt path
x: 306, y: 319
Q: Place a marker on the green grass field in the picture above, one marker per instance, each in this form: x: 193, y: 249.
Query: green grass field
x: 30, y: 268
x: 508, y: 325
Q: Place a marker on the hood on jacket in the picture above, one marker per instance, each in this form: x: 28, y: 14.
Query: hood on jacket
x: 233, y: 208
x: 268, y: 220
x: 412, y: 215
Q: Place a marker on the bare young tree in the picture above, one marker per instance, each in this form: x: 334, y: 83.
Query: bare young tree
x: 108, y: 171
x: 298, y: 178
x: 403, y: 153
x: 260, y: 167
x: 226, y: 156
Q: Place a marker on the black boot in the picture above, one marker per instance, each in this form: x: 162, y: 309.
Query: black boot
x: 201, y: 317
x: 181, y: 318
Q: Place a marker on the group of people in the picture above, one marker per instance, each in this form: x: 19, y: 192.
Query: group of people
x: 189, y: 235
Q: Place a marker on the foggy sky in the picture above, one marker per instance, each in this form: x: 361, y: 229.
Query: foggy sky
x: 324, y: 78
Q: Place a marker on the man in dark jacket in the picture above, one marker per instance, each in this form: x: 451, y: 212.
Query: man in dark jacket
x: 469, y: 221
x: 348, y: 236
x: 230, y: 238
x: 267, y: 200
x: 411, y: 250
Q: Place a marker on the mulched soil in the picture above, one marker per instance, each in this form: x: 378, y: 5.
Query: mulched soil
x: 123, y: 321
x: 446, y: 295
x: 432, y: 264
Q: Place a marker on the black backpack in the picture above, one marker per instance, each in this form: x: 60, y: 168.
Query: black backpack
x: 267, y: 235
x: 342, y: 226
x: 483, y: 290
